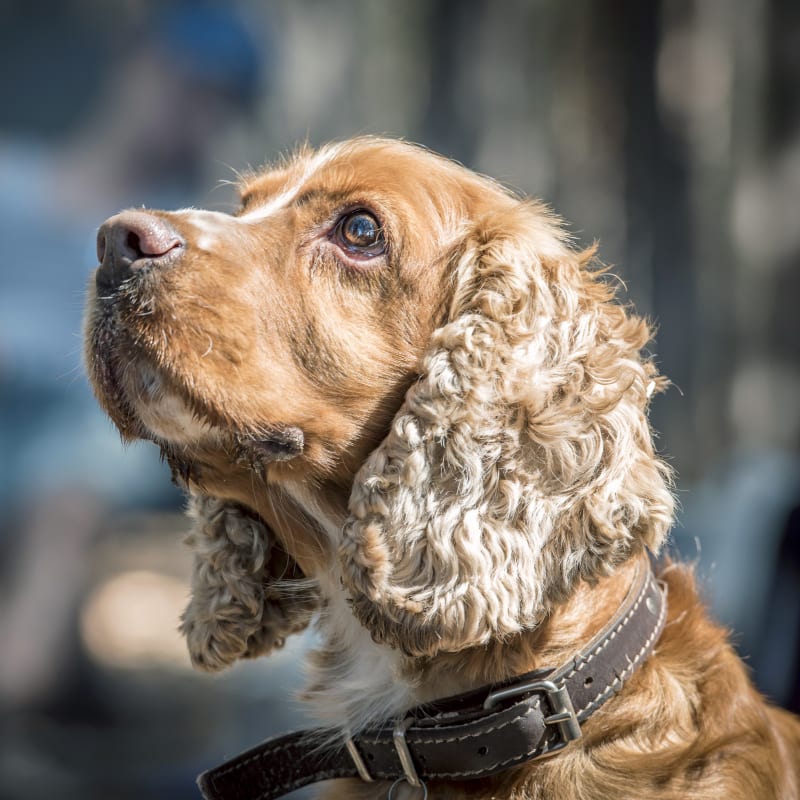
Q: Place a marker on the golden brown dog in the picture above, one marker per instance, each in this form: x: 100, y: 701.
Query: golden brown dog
x: 405, y: 407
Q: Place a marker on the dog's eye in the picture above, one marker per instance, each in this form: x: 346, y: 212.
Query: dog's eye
x: 360, y: 233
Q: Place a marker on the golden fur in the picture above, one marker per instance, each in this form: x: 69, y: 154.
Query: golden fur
x: 470, y: 477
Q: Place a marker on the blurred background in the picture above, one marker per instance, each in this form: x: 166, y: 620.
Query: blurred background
x: 668, y: 130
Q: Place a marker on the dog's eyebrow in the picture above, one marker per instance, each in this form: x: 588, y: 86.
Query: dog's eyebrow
x: 255, y: 205
x: 316, y: 193
x: 289, y: 191
x: 262, y: 187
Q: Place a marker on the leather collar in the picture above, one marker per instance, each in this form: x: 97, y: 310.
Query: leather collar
x: 471, y: 735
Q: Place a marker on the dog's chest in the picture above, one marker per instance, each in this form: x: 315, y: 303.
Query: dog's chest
x: 354, y: 681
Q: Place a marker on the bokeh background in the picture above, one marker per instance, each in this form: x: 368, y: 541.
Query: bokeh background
x: 668, y: 130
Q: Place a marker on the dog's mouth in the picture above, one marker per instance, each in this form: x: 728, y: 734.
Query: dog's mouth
x: 108, y: 356
x: 138, y: 395
x: 146, y: 401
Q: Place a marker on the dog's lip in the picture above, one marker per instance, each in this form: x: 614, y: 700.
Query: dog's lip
x: 129, y: 383
x: 104, y: 362
x: 142, y: 382
x: 147, y: 383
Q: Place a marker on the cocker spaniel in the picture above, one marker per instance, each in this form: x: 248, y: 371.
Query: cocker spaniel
x: 406, y: 409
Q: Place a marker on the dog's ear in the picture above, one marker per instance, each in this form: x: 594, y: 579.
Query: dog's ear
x: 248, y: 595
x: 522, y: 459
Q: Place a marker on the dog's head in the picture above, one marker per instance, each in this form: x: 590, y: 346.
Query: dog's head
x: 404, y: 371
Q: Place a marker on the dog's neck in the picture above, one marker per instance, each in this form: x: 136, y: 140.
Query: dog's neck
x: 356, y: 682
x: 567, y: 629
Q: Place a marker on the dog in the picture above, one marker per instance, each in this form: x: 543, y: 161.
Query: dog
x: 406, y: 410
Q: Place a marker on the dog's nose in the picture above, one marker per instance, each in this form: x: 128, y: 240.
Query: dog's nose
x: 131, y: 240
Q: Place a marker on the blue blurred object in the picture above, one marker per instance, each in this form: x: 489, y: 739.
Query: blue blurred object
x: 52, y: 433
x: 212, y: 44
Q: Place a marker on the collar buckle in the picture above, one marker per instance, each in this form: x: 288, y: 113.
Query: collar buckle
x: 563, y: 713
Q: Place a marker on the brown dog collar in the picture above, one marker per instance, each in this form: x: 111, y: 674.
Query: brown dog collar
x: 471, y: 735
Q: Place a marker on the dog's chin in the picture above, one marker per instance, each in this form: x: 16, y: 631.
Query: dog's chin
x: 145, y: 403
x: 172, y: 421
x: 163, y: 411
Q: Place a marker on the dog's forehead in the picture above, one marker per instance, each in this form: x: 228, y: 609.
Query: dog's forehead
x: 279, y: 184
x: 366, y: 168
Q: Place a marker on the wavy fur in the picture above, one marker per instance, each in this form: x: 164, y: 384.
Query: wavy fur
x: 248, y: 595
x: 520, y: 462
x: 442, y: 446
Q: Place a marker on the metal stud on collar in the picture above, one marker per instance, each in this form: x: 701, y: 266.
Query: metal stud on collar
x: 357, y: 760
x: 404, y: 754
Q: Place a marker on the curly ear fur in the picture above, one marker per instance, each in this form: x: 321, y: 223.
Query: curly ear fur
x: 522, y: 459
x: 248, y: 595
